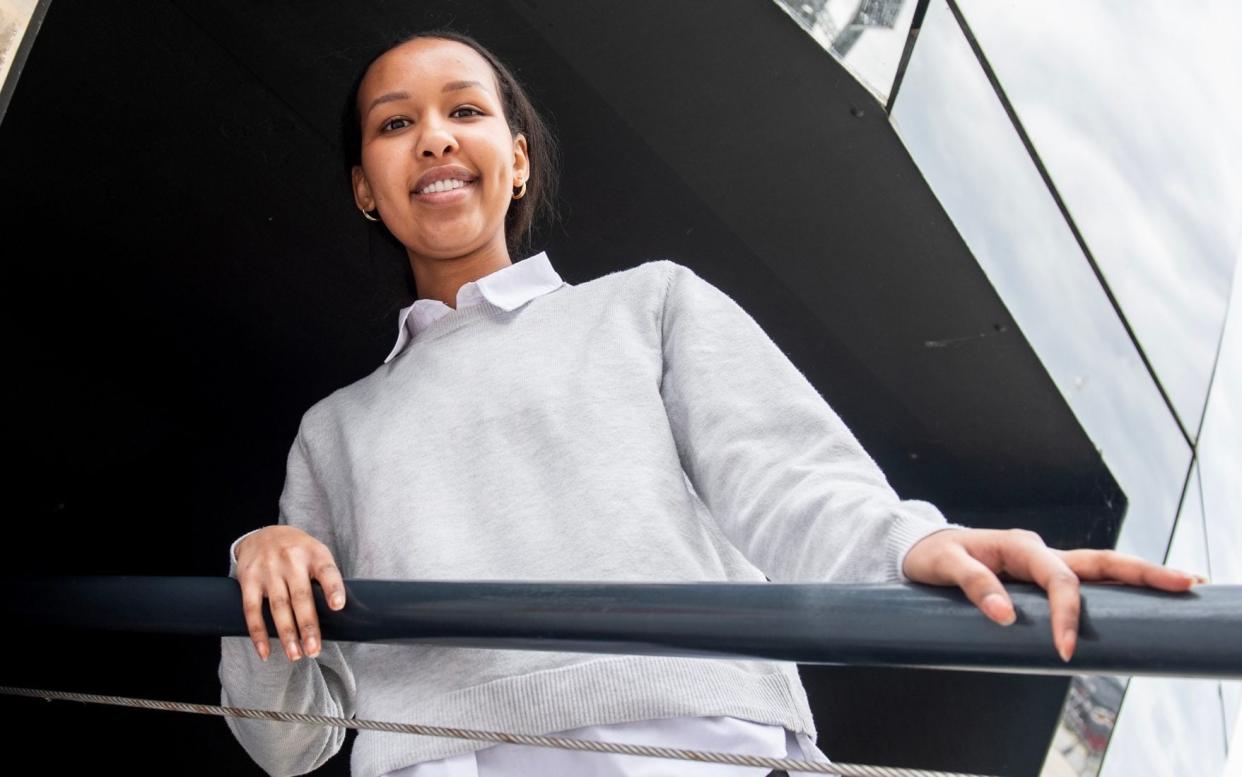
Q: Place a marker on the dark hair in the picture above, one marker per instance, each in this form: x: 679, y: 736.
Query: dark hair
x: 538, y: 206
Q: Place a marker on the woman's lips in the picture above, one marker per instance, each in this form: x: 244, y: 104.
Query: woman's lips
x: 446, y: 198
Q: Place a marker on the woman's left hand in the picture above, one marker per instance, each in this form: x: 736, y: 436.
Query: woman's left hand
x: 971, y: 559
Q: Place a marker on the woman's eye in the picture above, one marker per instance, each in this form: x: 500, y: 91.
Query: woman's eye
x: 470, y: 111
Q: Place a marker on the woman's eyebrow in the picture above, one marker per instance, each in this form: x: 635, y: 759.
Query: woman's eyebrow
x: 451, y: 86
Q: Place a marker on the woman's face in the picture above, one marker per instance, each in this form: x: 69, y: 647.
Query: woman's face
x: 428, y: 105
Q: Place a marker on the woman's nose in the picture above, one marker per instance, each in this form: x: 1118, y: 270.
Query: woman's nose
x: 436, y: 139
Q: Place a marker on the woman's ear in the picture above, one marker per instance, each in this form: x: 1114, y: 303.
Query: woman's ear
x: 521, y: 161
x: 362, y: 190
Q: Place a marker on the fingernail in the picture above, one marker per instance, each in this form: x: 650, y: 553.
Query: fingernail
x: 998, y: 608
x: 1067, y: 644
x: 338, y: 602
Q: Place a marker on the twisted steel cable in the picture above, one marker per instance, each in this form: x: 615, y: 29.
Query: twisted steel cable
x: 564, y: 743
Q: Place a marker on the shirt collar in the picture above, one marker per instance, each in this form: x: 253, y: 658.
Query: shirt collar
x: 507, y: 288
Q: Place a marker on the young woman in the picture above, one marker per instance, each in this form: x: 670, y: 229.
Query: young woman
x: 639, y: 427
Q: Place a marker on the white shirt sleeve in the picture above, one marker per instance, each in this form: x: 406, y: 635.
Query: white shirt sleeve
x: 233, y: 550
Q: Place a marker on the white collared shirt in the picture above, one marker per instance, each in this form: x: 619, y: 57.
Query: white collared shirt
x: 509, y: 288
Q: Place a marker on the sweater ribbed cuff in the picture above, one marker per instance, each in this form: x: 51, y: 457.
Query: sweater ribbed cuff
x: 907, y: 531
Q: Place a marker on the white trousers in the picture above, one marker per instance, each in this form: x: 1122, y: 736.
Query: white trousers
x: 721, y: 734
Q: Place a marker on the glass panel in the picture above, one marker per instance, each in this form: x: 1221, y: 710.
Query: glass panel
x: 1086, y: 723
x: 867, y: 36
x: 1136, y: 112
x: 1220, y: 461
x: 1234, y: 766
x: 1231, y: 699
x: 962, y: 140
x: 1220, y: 455
x: 1172, y: 725
x: 14, y: 18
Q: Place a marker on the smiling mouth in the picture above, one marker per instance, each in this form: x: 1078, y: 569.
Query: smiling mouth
x: 448, y: 185
x: 456, y: 192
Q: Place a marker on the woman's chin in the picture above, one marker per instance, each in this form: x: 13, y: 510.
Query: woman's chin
x: 447, y: 238
x: 446, y: 247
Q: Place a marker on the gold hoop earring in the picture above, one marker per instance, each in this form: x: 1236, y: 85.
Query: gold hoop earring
x: 368, y: 216
x: 521, y: 193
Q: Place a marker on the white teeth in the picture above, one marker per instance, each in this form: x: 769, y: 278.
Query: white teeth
x: 443, y: 186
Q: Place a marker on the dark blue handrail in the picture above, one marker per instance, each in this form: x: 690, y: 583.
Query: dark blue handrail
x: 1123, y: 630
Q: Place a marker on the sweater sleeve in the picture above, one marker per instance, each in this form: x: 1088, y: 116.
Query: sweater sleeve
x: 323, y: 685
x: 783, y: 476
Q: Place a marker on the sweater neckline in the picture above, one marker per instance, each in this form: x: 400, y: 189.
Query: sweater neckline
x: 451, y: 322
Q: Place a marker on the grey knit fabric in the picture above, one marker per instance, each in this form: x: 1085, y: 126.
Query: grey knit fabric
x: 637, y: 427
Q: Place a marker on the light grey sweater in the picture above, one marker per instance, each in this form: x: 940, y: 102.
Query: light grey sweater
x: 637, y: 427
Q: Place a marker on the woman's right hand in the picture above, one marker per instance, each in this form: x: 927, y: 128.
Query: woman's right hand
x: 278, y: 562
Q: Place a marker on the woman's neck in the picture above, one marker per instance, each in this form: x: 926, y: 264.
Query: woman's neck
x: 441, y: 278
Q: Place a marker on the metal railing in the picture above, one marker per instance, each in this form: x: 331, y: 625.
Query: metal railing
x: 1123, y: 630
